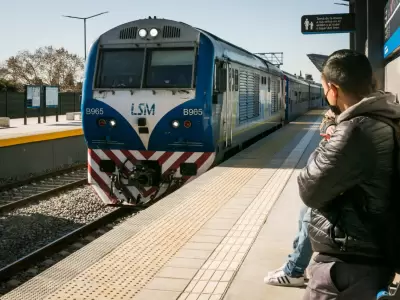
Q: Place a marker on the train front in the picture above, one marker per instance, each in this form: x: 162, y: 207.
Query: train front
x: 147, y: 110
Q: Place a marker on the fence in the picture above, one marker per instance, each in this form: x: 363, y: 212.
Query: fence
x: 12, y: 105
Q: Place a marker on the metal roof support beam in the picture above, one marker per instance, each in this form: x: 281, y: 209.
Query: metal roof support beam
x: 375, y: 34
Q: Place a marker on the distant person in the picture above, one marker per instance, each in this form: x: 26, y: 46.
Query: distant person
x: 347, y: 183
x: 292, y: 273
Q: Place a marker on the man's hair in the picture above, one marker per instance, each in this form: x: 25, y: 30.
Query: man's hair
x: 351, y: 71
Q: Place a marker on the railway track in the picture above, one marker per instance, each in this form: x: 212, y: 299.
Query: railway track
x: 20, y: 193
x: 49, y: 252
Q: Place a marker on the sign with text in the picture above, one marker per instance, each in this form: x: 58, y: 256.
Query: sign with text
x: 332, y: 23
x: 33, y: 96
x: 392, y: 25
x: 51, y: 96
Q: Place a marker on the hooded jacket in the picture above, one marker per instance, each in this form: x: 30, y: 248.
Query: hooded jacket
x: 349, y: 174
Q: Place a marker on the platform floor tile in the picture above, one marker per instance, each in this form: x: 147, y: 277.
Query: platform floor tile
x: 243, y: 219
x: 272, y: 245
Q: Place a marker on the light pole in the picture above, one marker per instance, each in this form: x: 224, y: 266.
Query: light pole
x: 344, y: 4
x: 84, y: 25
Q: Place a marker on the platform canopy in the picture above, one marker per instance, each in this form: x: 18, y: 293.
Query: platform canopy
x: 318, y: 60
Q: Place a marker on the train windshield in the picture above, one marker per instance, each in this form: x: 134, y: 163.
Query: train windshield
x: 120, y: 68
x: 169, y: 68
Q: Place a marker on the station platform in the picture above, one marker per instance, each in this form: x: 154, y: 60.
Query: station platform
x: 214, y: 238
x: 18, y: 133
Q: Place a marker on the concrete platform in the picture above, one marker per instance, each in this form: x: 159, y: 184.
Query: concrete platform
x: 18, y: 133
x: 215, y: 238
x: 35, y: 148
x: 273, y: 244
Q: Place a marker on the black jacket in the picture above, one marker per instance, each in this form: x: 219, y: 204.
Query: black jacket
x: 348, y: 175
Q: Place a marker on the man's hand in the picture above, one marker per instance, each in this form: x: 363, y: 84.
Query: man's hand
x: 330, y: 115
x: 329, y: 132
x: 330, y: 121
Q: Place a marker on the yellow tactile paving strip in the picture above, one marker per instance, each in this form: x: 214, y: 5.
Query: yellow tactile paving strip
x: 33, y: 137
x: 126, y: 259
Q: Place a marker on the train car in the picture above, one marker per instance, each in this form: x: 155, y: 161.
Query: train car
x: 316, y: 95
x: 300, y: 96
x: 163, y: 102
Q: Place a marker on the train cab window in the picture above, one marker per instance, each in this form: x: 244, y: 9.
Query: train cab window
x: 269, y: 84
x: 120, y: 68
x: 169, y: 68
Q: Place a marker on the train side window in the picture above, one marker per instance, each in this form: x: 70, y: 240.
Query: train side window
x: 220, y: 80
x: 230, y: 87
x: 264, y: 80
x: 236, y: 80
x: 269, y: 84
x: 220, y: 75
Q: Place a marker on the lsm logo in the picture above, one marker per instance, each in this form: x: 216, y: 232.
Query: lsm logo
x: 143, y: 109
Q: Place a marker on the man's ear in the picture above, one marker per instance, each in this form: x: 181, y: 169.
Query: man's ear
x: 334, y: 89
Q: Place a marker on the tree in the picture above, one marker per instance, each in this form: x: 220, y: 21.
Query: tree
x: 45, y: 65
x: 6, y: 85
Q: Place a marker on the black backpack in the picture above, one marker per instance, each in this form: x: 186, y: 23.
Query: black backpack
x: 386, y: 227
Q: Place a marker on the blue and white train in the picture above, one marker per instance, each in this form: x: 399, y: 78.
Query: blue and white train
x: 163, y: 102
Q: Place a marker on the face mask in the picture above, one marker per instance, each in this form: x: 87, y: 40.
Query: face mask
x: 334, y: 108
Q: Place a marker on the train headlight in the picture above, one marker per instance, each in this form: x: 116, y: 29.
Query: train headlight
x: 175, y: 124
x: 113, y: 123
x: 153, y: 32
x: 142, y: 33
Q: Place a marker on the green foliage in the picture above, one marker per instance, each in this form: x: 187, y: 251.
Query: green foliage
x: 46, y: 65
x: 6, y: 85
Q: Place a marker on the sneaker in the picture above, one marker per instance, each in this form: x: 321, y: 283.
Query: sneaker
x: 305, y: 275
x: 277, y: 270
x: 280, y: 278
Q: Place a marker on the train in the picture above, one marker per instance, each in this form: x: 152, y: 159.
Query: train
x: 163, y: 102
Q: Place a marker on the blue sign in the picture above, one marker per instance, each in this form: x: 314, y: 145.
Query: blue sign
x: 143, y: 109
x: 392, y: 44
x: 392, y: 24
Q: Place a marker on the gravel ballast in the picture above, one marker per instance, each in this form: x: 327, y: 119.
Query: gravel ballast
x: 31, y: 227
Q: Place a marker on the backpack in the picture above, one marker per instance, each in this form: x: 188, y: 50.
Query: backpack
x: 386, y: 226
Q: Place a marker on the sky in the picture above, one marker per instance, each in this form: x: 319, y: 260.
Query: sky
x: 255, y: 25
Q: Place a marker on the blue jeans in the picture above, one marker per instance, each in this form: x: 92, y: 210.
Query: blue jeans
x: 302, y: 252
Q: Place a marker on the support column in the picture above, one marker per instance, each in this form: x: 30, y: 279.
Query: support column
x: 375, y: 33
x: 352, y: 35
x: 361, y: 25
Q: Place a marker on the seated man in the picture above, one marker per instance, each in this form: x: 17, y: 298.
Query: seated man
x: 292, y: 272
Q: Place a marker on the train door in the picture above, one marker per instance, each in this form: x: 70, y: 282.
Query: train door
x: 286, y: 98
x: 228, y: 105
x: 274, y: 95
